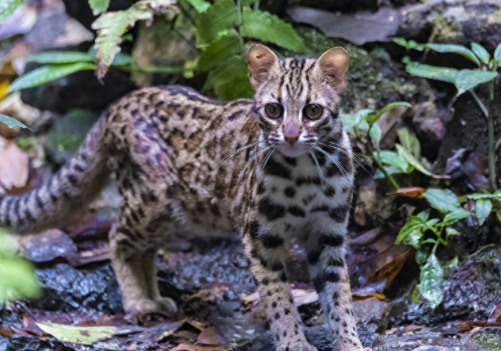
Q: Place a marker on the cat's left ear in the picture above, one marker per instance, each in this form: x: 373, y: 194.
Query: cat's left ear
x: 333, y: 66
x: 262, y: 63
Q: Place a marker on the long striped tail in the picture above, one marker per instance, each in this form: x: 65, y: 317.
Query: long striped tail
x: 77, y: 183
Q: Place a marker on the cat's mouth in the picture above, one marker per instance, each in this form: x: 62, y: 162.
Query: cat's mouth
x: 292, y: 150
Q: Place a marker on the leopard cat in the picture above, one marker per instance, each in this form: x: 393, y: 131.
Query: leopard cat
x: 273, y: 169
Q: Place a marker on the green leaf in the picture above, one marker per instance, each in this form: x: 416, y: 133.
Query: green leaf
x: 432, y: 72
x: 409, y: 45
x: 46, y: 74
x: 422, y: 255
x: 219, y: 51
x: 456, y: 215
x: 376, y: 133
x: 84, y: 335
x: 431, y: 284
x: 7, y: 8
x: 406, y: 155
x: 483, y: 210
x: 269, y: 28
x: 443, y: 200
x: 219, y: 17
x: 238, y: 87
x: 456, y: 49
x: 11, y: 122
x: 410, y: 142
x: 111, y: 26
x: 230, y: 79
x: 495, y: 196
x: 393, y: 159
x: 58, y: 57
x: 199, y: 5
x: 497, y: 53
x: 498, y: 215
x: 449, y: 266
x: 424, y: 215
x: 431, y: 223
x: 467, y: 79
x: 415, y: 295
x: 17, y: 276
x: 372, y: 118
x: 412, y: 232
x: 99, y: 6
x: 451, y: 231
x: 481, y: 53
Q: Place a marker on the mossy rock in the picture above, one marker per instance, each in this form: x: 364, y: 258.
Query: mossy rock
x: 373, y: 80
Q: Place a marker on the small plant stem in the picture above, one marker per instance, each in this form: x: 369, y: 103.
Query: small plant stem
x: 492, y: 142
x: 375, y: 157
x: 489, y: 114
x: 480, y: 103
x: 239, y: 24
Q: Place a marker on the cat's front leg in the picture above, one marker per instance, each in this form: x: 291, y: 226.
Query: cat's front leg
x: 326, y: 256
x: 265, y: 248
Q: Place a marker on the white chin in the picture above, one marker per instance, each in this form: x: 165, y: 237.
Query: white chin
x: 291, y: 151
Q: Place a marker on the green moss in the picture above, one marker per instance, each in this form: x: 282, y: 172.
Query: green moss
x: 446, y: 30
x: 368, y: 86
x: 489, y: 342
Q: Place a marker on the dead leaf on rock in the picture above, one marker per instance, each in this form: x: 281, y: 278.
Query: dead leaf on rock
x: 301, y: 297
x: 15, y: 165
x: 49, y: 246
x: 359, y: 28
x: 194, y: 347
x: 415, y: 192
x: 495, y: 316
x: 211, y: 336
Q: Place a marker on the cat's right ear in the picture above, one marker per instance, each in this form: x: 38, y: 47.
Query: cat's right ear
x: 261, y: 62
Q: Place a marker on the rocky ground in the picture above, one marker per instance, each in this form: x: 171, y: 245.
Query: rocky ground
x: 210, y: 280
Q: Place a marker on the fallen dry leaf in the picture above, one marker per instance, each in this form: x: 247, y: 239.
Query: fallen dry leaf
x: 495, y: 316
x: 415, y: 192
x: 49, y: 246
x: 194, y: 347
x: 15, y: 165
x: 301, y: 297
x: 211, y: 336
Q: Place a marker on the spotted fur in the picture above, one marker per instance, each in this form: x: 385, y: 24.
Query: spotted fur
x: 187, y: 165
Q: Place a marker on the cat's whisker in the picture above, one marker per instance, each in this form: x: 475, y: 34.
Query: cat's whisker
x: 267, y: 158
x: 319, y: 169
x: 356, y: 158
x: 253, y: 158
x: 336, y: 162
x: 237, y: 151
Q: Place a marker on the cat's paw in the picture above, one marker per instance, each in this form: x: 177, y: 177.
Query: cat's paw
x: 141, y: 310
x: 167, y: 305
x: 297, y: 346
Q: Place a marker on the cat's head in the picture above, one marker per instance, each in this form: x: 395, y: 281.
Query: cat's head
x: 297, y: 98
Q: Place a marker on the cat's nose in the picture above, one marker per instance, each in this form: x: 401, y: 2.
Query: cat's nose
x: 291, y: 138
x: 291, y: 134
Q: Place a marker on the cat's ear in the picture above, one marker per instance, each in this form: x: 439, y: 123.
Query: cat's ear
x: 261, y: 62
x: 333, y: 66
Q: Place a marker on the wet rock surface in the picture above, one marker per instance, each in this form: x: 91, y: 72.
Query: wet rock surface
x: 471, y: 292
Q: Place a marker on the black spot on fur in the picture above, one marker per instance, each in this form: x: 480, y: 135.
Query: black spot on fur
x: 275, y: 168
x: 270, y: 210
x: 290, y: 160
x: 271, y: 241
x: 296, y: 211
x: 339, y: 213
x: 290, y: 192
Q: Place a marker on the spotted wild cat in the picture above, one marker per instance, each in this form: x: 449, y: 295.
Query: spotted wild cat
x: 272, y: 169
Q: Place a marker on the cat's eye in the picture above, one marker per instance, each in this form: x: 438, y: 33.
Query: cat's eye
x: 274, y: 110
x: 313, y: 111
